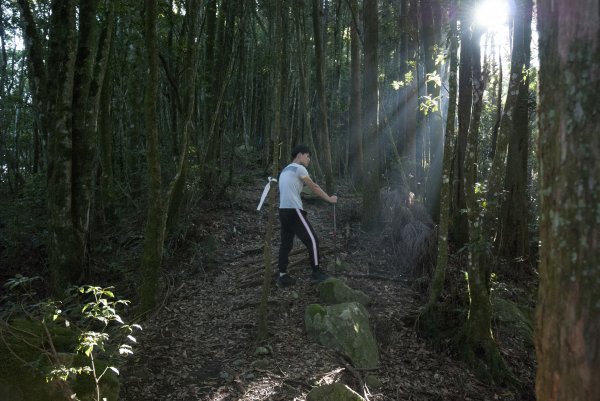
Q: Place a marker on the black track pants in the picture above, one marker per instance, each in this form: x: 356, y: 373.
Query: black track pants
x: 294, y: 222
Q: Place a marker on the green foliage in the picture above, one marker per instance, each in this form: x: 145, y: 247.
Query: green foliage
x: 74, y: 341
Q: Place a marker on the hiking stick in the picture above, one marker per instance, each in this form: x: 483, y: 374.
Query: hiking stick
x: 337, y: 261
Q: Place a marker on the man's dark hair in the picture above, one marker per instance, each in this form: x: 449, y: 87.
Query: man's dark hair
x: 299, y: 149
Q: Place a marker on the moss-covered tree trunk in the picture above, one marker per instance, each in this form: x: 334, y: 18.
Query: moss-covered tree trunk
x: 568, y: 310
x: 67, y: 105
x: 161, y: 202
x: 481, y: 351
x: 371, y: 203
x: 63, y: 250
x: 37, y: 73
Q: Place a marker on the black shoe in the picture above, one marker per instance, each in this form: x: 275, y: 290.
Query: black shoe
x: 319, y: 275
x: 285, y: 281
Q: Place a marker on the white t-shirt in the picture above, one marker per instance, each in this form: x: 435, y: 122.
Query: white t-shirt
x: 290, y: 186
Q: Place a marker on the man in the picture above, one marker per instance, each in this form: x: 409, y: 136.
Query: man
x: 293, y: 217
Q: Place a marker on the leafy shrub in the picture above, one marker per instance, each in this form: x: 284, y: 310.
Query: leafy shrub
x: 69, y: 347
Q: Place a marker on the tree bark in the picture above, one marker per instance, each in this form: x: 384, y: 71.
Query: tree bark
x: 371, y: 201
x: 262, y: 325
x: 568, y: 312
x: 437, y: 282
x: 481, y: 349
x: 156, y: 218
x: 459, y: 228
x: 322, y: 124
x: 355, y: 118
x: 498, y: 169
x: 433, y: 120
x: 513, y: 236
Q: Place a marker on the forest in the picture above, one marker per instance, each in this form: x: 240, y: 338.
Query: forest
x: 136, y: 139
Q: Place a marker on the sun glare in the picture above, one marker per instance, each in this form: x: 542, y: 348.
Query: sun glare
x: 492, y: 14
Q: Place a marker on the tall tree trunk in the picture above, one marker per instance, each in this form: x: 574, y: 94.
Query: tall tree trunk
x: 498, y: 102
x: 63, y: 251
x: 262, y: 332
x: 67, y: 109
x: 568, y: 313
x: 307, y: 133
x: 322, y: 124
x: 188, y: 85
x: 513, y: 238
x: 437, y: 282
x: 459, y: 228
x: 90, y: 70
x: 498, y: 169
x: 371, y: 202
x: 355, y: 118
x: 481, y: 349
x: 156, y: 219
x: 106, y: 148
x: 159, y: 202
x: 434, y: 129
x: 38, y: 74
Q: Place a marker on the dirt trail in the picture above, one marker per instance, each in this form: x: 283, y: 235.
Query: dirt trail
x: 200, y: 345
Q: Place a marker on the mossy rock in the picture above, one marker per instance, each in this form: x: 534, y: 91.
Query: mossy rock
x: 344, y: 327
x: 514, y: 317
x: 23, y: 367
x: 333, y: 392
x: 334, y: 291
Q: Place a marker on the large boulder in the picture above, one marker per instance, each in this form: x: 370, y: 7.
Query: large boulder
x: 334, y: 291
x: 333, y: 392
x: 344, y: 327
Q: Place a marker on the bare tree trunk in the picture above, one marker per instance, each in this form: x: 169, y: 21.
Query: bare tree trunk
x: 513, y: 236
x: 323, y: 126
x: 568, y: 313
x: 355, y: 118
x: 459, y: 228
x: 90, y: 70
x: 433, y: 120
x: 156, y: 219
x: 161, y: 202
x: 188, y: 85
x: 498, y: 170
x: 371, y: 198
x: 437, y: 282
x: 280, y: 15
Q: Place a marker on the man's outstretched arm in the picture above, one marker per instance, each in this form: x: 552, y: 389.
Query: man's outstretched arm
x: 316, y: 189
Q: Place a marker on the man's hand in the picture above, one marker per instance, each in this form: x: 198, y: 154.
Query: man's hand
x: 333, y: 199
